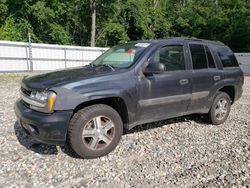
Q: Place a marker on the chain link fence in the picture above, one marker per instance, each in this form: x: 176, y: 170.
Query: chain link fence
x: 29, y: 57
x: 244, y: 61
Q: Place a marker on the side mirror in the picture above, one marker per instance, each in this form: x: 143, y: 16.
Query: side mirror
x: 155, y: 68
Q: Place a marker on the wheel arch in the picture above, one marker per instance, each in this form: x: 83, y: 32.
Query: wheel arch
x: 117, y: 103
x: 230, y: 90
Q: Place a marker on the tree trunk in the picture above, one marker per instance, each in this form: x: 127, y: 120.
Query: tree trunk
x: 93, y: 25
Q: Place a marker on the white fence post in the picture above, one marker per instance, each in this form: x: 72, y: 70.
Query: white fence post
x: 65, y: 57
x: 27, y: 57
x: 30, y: 53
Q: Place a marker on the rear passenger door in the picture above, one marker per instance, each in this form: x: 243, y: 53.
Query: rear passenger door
x: 204, y: 76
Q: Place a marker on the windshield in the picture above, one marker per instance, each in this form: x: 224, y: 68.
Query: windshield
x: 121, y: 56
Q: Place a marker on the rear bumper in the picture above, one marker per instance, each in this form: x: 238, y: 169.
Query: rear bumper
x: 45, y: 128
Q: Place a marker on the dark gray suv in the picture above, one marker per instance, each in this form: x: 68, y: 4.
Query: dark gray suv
x: 130, y: 84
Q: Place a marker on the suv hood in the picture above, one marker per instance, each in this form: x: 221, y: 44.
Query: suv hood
x: 52, y: 79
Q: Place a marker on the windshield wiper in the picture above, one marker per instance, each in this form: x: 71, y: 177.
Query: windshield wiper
x: 105, y: 65
x: 110, y: 66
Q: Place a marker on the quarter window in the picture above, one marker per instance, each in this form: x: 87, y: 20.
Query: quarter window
x: 171, y: 56
x: 227, y: 57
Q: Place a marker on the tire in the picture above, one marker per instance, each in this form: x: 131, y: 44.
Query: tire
x: 216, y: 115
x: 95, y: 131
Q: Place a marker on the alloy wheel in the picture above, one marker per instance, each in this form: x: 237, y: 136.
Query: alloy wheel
x: 98, y: 133
x: 221, y: 109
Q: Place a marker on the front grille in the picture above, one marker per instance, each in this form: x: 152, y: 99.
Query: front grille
x: 26, y: 104
x: 25, y: 91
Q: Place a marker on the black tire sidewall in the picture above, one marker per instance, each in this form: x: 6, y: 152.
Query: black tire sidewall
x: 85, y: 116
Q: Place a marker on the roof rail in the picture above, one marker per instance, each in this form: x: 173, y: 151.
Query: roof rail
x: 186, y: 38
x: 201, y: 40
x: 193, y: 38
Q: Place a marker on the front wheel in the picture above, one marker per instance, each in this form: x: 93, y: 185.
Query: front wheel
x: 95, y: 131
x: 220, y: 109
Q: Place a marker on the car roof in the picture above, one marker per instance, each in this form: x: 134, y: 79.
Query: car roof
x: 178, y: 39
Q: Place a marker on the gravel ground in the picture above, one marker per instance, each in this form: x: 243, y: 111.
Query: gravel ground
x: 181, y: 152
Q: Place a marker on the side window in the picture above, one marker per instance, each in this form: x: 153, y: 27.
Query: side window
x: 198, y: 56
x: 171, y: 56
x: 227, y: 57
x: 210, y: 59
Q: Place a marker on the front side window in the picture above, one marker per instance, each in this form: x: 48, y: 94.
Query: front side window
x: 198, y: 56
x: 122, y: 56
x: 171, y: 56
x: 227, y: 57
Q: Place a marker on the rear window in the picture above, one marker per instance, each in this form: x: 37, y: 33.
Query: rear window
x: 227, y: 57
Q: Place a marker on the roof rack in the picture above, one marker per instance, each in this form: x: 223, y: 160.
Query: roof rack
x: 186, y: 38
x: 201, y: 40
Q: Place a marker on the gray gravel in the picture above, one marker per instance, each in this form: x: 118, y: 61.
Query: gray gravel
x: 181, y: 152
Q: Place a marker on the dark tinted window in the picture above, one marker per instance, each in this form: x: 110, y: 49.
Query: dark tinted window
x: 171, y: 56
x: 198, y: 56
x: 227, y: 57
x: 210, y: 59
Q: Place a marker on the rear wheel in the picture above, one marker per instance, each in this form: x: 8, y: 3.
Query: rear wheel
x: 220, y: 109
x: 95, y: 131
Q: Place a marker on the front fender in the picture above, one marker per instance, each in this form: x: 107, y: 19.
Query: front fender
x: 69, y: 99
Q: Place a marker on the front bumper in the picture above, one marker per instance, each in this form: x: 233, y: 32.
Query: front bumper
x: 45, y: 128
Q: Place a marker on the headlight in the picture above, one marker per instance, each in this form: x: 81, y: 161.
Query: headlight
x: 39, y: 96
x: 41, y: 101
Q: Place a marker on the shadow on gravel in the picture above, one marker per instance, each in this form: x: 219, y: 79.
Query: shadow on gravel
x: 31, y: 144
x: 195, y: 117
x: 68, y: 151
x: 45, y: 149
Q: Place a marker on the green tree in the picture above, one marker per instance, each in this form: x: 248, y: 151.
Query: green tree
x: 119, y: 21
x: 14, y: 30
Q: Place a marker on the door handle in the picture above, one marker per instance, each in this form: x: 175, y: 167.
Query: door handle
x: 216, y: 78
x: 184, y: 81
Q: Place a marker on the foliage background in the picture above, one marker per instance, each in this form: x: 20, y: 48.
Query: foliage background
x: 118, y: 21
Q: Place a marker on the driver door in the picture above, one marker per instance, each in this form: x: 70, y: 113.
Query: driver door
x: 167, y: 94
